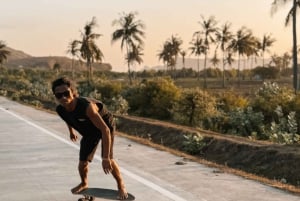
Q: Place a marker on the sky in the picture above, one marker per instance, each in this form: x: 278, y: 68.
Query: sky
x: 46, y: 27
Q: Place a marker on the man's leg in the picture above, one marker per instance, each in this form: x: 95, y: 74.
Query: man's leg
x: 117, y: 175
x: 83, y: 172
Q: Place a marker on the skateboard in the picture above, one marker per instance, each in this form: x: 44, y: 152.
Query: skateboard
x: 90, y: 194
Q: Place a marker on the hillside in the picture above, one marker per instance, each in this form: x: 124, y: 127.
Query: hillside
x: 18, y: 58
x: 16, y: 54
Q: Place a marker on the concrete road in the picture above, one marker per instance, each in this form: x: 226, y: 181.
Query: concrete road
x: 39, y: 162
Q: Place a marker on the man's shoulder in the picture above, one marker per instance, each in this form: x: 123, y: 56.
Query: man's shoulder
x: 59, y: 108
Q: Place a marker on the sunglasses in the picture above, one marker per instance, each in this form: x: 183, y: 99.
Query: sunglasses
x: 62, y: 94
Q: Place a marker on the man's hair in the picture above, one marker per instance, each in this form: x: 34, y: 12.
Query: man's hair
x: 64, y: 81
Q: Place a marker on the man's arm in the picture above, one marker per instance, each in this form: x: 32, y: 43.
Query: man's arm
x: 94, y: 116
x: 73, y: 136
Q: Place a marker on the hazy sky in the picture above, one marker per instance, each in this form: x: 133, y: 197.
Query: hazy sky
x: 45, y: 27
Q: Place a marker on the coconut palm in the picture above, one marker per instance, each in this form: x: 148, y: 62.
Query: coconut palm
x: 265, y: 44
x: 165, y: 55
x: 253, y: 50
x: 89, y: 50
x: 3, y: 52
x: 135, y: 55
x: 286, y: 59
x: 223, y: 39
x: 243, y: 44
x: 209, y: 28
x: 183, y: 53
x: 130, y: 32
x: 174, y: 44
x: 170, y: 52
x: 291, y: 16
x: 74, y: 51
x: 197, y: 48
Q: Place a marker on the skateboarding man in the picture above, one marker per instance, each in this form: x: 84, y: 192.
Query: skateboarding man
x: 94, y: 123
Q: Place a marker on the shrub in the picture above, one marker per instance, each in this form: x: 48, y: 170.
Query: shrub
x: 229, y: 101
x: 195, y: 107
x: 269, y: 97
x: 153, y: 98
x: 119, y: 105
x: 193, y: 144
x: 285, y: 131
x: 246, y: 122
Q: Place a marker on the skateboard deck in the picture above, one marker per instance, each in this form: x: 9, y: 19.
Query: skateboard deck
x: 108, y: 194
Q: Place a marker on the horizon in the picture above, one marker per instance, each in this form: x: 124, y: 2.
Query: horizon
x: 38, y: 29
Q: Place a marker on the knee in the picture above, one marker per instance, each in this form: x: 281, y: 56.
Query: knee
x: 82, y: 165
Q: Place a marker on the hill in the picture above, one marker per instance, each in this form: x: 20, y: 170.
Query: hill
x: 18, y: 58
x: 16, y: 54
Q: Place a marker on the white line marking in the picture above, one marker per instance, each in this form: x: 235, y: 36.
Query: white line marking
x: 128, y: 173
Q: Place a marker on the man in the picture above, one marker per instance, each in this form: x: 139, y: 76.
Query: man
x: 94, y: 123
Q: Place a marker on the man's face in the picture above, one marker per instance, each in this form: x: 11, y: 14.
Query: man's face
x: 63, y: 94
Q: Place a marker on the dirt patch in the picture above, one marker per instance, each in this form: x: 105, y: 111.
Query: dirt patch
x: 278, y: 163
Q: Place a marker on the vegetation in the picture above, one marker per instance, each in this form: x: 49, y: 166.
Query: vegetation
x: 3, y: 53
x: 89, y: 51
x: 292, y: 15
x: 271, y: 112
x: 131, y: 33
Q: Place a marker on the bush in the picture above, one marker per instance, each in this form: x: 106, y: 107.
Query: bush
x: 119, y: 105
x: 246, y: 122
x: 193, y: 144
x: 195, y: 107
x: 269, y: 97
x: 153, y: 98
x: 285, y: 131
x: 229, y: 101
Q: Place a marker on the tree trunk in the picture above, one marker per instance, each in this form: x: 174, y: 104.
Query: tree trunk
x: 295, y: 62
x: 205, y: 72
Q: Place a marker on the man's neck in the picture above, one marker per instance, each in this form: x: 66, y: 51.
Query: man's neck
x: 70, y: 107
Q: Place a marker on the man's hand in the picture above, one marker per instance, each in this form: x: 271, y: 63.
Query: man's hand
x: 106, y: 165
x: 73, y: 137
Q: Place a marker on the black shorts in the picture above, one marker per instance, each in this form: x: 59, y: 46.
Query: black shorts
x: 88, y: 147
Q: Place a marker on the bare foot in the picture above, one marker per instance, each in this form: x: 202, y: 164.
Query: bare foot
x: 79, y: 188
x: 123, y: 195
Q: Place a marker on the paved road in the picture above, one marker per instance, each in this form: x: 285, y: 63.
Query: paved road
x: 38, y: 162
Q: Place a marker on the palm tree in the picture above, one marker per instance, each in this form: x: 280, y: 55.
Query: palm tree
x: 197, y: 48
x: 131, y: 34
x: 264, y: 45
x: 174, y: 44
x: 183, y: 53
x: 135, y: 55
x: 243, y: 43
x: 292, y: 14
x: 165, y: 55
x: 208, y: 30
x: 89, y: 50
x: 74, y: 51
x: 223, y: 39
x: 254, y: 48
x: 170, y: 52
x: 3, y: 52
x: 286, y: 59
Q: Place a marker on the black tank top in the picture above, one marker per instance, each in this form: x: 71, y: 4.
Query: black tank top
x: 78, y: 119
